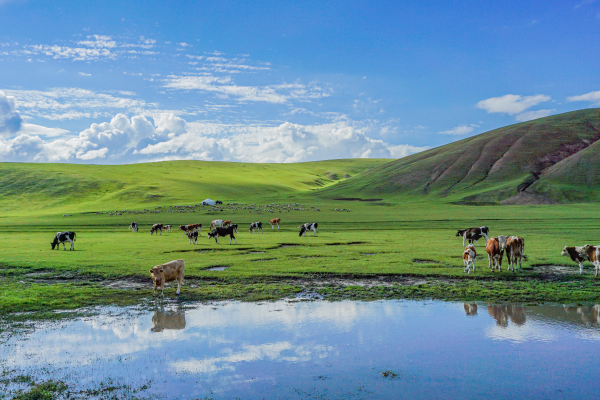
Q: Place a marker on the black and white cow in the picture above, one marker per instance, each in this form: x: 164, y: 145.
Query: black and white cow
x: 62, y: 237
x: 156, y: 228
x: 256, y: 226
x: 133, y: 227
x: 215, y: 233
x: 193, y: 236
x: 310, y: 226
x: 473, y: 234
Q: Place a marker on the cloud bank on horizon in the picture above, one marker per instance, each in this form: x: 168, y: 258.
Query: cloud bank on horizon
x: 242, y: 85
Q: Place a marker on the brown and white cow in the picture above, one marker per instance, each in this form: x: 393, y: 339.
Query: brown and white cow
x: 495, y: 253
x: 584, y: 253
x: 168, y: 228
x: 515, y: 251
x: 168, y: 272
x: 473, y: 234
x: 226, y: 224
x: 469, y: 256
x: 275, y: 221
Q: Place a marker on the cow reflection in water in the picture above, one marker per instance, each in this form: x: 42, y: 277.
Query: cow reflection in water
x: 471, y: 309
x: 503, y: 313
x: 162, y: 320
x: 589, y: 316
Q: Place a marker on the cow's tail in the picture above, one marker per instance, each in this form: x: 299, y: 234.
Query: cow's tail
x: 74, y: 236
x: 525, y: 258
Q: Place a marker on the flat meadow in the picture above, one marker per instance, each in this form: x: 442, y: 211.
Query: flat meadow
x: 389, y: 248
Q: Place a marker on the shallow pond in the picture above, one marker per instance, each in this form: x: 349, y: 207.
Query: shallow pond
x: 318, y: 350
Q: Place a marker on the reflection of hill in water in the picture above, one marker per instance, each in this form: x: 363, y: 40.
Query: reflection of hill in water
x: 583, y: 316
x: 162, y: 320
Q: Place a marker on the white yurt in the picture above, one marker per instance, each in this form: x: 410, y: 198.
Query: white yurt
x: 208, y: 202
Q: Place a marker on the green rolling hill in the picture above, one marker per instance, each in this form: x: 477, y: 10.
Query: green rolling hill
x: 549, y: 160
x: 27, y: 188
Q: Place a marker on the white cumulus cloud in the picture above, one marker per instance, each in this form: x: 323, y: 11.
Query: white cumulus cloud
x: 10, y: 120
x: 530, y: 115
x: 459, y: 130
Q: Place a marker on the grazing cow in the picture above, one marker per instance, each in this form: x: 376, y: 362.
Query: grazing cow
x: 495, y: 253
x: 217, y: 223
x: 515, y: 250
x: 215, y: 233
x: 256, y: 226
x: 226, y: 224
x: 62, y: 237
x: 193, y: 236
x: 133, y: 227
x: 469, y: 258
x: 156, y: 228
x: 584, y: 253
x: 168, y: 272
x: 275, y: 221
x: 473, y: 234
x: 168, y: 228
x: 310, y: 226
x: 218, y: 202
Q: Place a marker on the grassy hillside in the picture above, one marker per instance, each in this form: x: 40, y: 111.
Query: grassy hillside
x: 67, y: 188
x: 552, y: 159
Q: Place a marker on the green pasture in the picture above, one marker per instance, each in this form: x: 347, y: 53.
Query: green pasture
x: 374, y: 239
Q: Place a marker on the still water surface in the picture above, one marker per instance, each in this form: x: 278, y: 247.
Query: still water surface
x: 306, y: 350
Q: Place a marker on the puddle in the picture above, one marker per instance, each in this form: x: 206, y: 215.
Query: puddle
x: 423, y: 261
x: 217, y: 268
x: 314, y: 349
x: 264, y: 259
x: 344, y: 244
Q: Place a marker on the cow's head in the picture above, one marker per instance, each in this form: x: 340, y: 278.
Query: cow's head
x: 565, y: 251
x: 54, y: 244
x: 212, y: 233
x: 460, y: 232
x: 157, y: 275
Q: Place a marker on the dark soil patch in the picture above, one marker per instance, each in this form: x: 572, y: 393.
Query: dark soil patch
x: 284, y: 245
x: 422, y: 261
x: 344, y: 244
x: 355, y: 199
x: 264, y: 259
x: 208, y: 250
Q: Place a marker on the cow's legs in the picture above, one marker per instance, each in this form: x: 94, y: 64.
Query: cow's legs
x: 178, y: 286
x: 72, y: 245
x: 64, y: 247
x: 580, y: 267
x: 490, y: 263
x: 464, y: 238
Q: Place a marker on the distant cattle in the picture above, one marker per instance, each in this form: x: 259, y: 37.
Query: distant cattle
x: 495, y: 253
x: 193, y: 236
x: 168, y: 228
x: 473, y: 234
x: 168, y: 272
x: 134, y: 227
x: 310, y: 226
x: 584, y: 253
x: 215, y: 233
x: 218, y: 202
x: 217, y: 223
x: 275, y: 221
x: 62, y: 237
x: 156, y: 228
x: 515, y: 251
x: 256, y: 226
x: 469, y: 256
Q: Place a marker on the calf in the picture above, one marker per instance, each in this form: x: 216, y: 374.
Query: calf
x: 515, y: 250
x: 168, y: 228
x: 310, y: 226
x: 469, y: 256
x: 193, y: 236
x: 495, y: 253
x: 133, y: 227
x: 217, y: 223
x: 168, y: 272
x: 584, y: 253
x: 62, y: 237
x: 275, y: 221
x: 156, y: 228
x: 473, y: 234
x: 256, y: 226
x: 215, y: 233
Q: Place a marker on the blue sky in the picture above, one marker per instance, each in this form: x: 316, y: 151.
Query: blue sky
x: 269, y: 81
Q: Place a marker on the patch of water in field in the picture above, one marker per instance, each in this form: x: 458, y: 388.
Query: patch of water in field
x: 320, y: 350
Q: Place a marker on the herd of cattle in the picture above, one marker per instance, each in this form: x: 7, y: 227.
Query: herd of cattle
x: 495, y: 247
x: 514, y: 247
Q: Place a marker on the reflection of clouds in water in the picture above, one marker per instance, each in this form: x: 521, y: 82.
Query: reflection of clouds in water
x: 106, y: 336
x: 530, y: 331
x: 280, y: 351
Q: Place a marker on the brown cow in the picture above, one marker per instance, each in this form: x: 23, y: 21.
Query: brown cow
x: 275, y: 221
x: 168, y: 228
x: 584, y: 253
x: 495, y: 253
x: 469, y: 258
x: 515, y: 250
x: 226, y: 224
x: 168, y: 272
x: 168, y: 320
